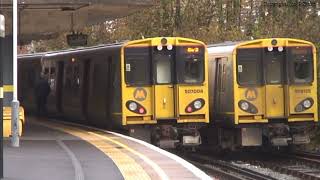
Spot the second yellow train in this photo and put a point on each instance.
(262, 93)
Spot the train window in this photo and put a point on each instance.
(193, 70)
(302, 65)
(72, 81)
(223, 78)
(192, 64)
(46, 71)
(68, 77)
(249, 66)
(219, 77)
(274, 67)
(301, 69)
(163, 68)
(53, 71)
(137, 66)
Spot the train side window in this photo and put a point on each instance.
(249, 66)
(302, 64)
(219, 77)
(67, 76)
(52, 78)
(223, 77)
(53, 71)
(76, 78)
(46, 71)
(222, 74)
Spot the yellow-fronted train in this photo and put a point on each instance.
(156, 89)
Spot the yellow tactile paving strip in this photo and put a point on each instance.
(128, 167)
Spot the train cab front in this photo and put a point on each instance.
(277, 87)
(164, 86)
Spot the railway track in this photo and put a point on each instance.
(224, 169)
(312, 159)
(299, 164)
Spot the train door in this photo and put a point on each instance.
(275, 90)
(220, 80)
(97, 92)
(85, 86)
(163, 65)
(59, 84)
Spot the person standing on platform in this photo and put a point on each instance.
(42, 92)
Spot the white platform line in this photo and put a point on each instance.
(78, 172)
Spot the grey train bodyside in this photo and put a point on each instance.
(85, 84)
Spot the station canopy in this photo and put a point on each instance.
(46, 18)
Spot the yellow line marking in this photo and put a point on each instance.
(8, 88)
(128, 167)
(155, 166)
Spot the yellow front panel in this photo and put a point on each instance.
(164, 101)
(274, 101)
(187, 94)
(278, 100)
(141, 95)
(255, 96)
(300, 93)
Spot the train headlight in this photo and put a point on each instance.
(197, 104)
(133, 106)
(169, 47)
(304, 105)
(307, 103)
(159, 47)
(247, 107)
(244, 106)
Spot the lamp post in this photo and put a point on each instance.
(15, 103)
(2, 35)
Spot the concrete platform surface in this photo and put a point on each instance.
(51, 150)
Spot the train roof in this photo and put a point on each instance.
(222, 48)
(73, 51)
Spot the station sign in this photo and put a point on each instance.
(77, 39)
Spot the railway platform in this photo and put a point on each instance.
(52, 150)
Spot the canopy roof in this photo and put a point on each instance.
(46, 18)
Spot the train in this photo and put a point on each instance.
(154, 89)
(263, 93)
(173, 91)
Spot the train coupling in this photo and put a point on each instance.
(280, 141)
(168, 143)
(191, 140)
(300, 139)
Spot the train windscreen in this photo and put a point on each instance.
(182, 64)
(137, 66)
(164, 64)
(190, 65)
(257, 66)
(274, 66)
(301, 65)
(249, 66)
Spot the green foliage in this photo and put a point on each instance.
(207, 20)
